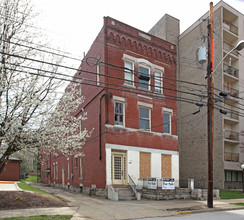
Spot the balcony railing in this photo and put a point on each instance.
(231, 71)
(228, 47)
(233, 157)
(231, 135)
(232, 115)
(232, 92)
(230, 27)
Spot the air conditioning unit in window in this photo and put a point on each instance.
(144, 77)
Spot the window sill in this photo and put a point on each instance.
(139, 88)
(143, 130)
(127, 85)
(168, 134)
(158, 93)
(119, 126)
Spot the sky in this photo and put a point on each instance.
(72, 25)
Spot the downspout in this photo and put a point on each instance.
(104, 94)
(100, 126)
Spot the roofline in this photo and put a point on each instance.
(151, 35)
(206, 15)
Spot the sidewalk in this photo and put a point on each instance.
(9, 186)
(85, 207)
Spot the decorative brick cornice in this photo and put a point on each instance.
(141, 45)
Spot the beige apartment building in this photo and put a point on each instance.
(192, 97)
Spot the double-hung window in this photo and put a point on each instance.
(80, 168)
(119, 114)
(158, 81)
(98, 73)
(144, 77)
(144, 118)
(67, 168)
(76, 162)
(56, 170)
(167, 120)
(129, 76)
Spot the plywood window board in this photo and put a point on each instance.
(166, 166)
(145, 165)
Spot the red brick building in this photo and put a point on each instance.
(129, 85)
(11, 171)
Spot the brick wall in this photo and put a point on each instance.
(11, 171)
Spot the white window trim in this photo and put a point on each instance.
(118, 98)
(149, 107)
(144, 104)
(142, 61)
(68, 171)
(145, 65)
(161, 81)
(170, 112)
(98, 69)
(56, 170)
(167, 110)
(80, 168)
(122, 101)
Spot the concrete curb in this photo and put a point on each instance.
(217, 209)
(16, 184)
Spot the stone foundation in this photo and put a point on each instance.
(84, 190)
(162, 194)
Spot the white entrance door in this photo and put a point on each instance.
(118, 168)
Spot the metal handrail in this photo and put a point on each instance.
(132, 184)
(230, 27)
(232, 135)
(229, 47)
(233, 157)
(231, 71)
(231, 91)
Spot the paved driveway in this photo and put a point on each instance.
(9, 186)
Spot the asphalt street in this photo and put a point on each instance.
(223, 215)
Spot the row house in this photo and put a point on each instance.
(129, 85)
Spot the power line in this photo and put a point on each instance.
(80, 70)
(121, 88)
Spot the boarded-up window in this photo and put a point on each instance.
(145, 165)
(166, 166)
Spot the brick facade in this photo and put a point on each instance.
(116, 43)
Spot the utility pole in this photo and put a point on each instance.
(210, 106)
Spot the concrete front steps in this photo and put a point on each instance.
(124, 192)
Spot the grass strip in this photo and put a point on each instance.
(27, 187)
(240, 204)
(231, 194)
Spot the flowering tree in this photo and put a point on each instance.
(29, 115)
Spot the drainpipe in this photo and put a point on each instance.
(100, 125)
